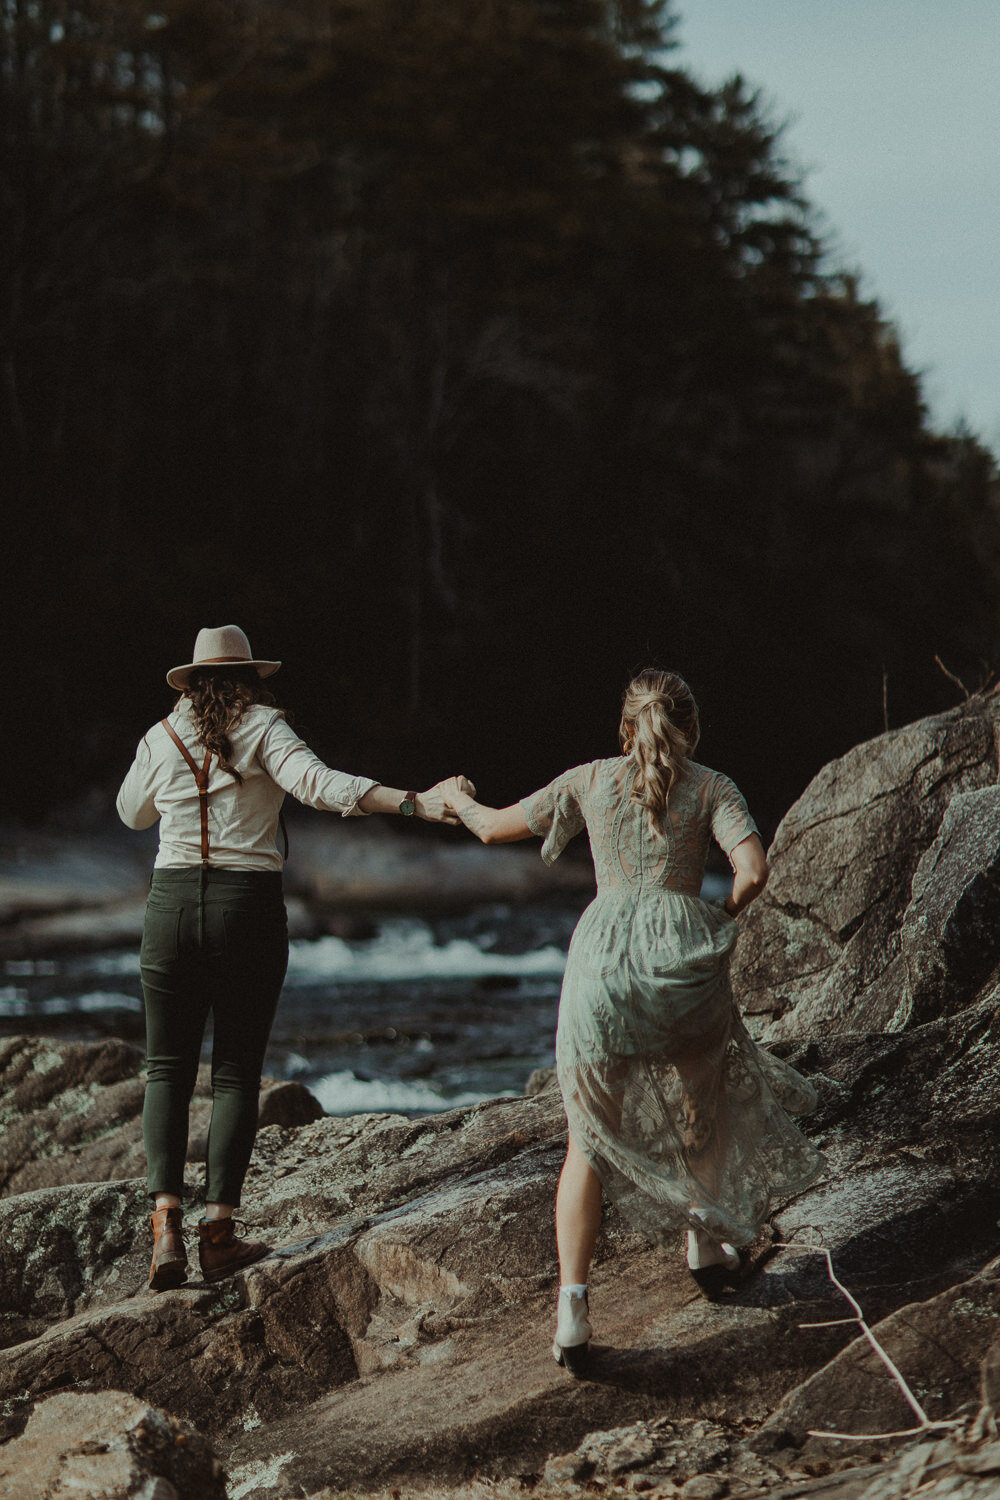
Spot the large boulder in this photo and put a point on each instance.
(950, 937)
(885, 885)
(108, 1446)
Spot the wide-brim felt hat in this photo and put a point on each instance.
(222, 646)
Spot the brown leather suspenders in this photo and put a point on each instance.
(201, 777)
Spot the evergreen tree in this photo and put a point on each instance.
(479, 350)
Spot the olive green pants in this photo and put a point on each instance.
(214, 940)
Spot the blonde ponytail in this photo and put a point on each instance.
(659, 729)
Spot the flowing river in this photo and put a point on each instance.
(413, 1015)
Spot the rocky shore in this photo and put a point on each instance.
(396, 1342)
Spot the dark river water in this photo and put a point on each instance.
(417, 1015)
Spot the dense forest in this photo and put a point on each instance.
(468, 355)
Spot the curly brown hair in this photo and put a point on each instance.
(220, 696)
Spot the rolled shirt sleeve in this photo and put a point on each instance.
(135, 801)
(290, 763)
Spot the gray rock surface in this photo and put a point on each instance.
(401, 1326)
(72, 1112)
(939, 1345)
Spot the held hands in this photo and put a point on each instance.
(434, 805)
(491, 825)
(455, 787)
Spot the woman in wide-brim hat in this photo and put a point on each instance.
(215, 773)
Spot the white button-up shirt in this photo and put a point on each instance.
(242, 820)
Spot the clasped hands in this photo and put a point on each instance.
(434, 805)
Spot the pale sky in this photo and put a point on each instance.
(894, 115)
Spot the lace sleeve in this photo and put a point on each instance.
(731, 820)
(555, 813)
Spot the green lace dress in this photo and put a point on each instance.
(680, 1113)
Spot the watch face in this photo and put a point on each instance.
(406, 807)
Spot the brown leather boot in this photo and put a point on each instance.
(169, 1267)
(221, 1252)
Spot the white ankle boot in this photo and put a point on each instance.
(573, 1332)
(703, 1251)
(712, 1264)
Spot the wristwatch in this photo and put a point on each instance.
(408, 806)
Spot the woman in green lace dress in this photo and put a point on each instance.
(673, 1110)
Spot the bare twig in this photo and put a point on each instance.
(988, 681)
(885, 698)
(878, 1437)
(952, 678)
(926, 1425)
(831, 1323)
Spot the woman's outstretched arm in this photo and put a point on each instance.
(493, 825)
(750, 872)
(431, 805)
